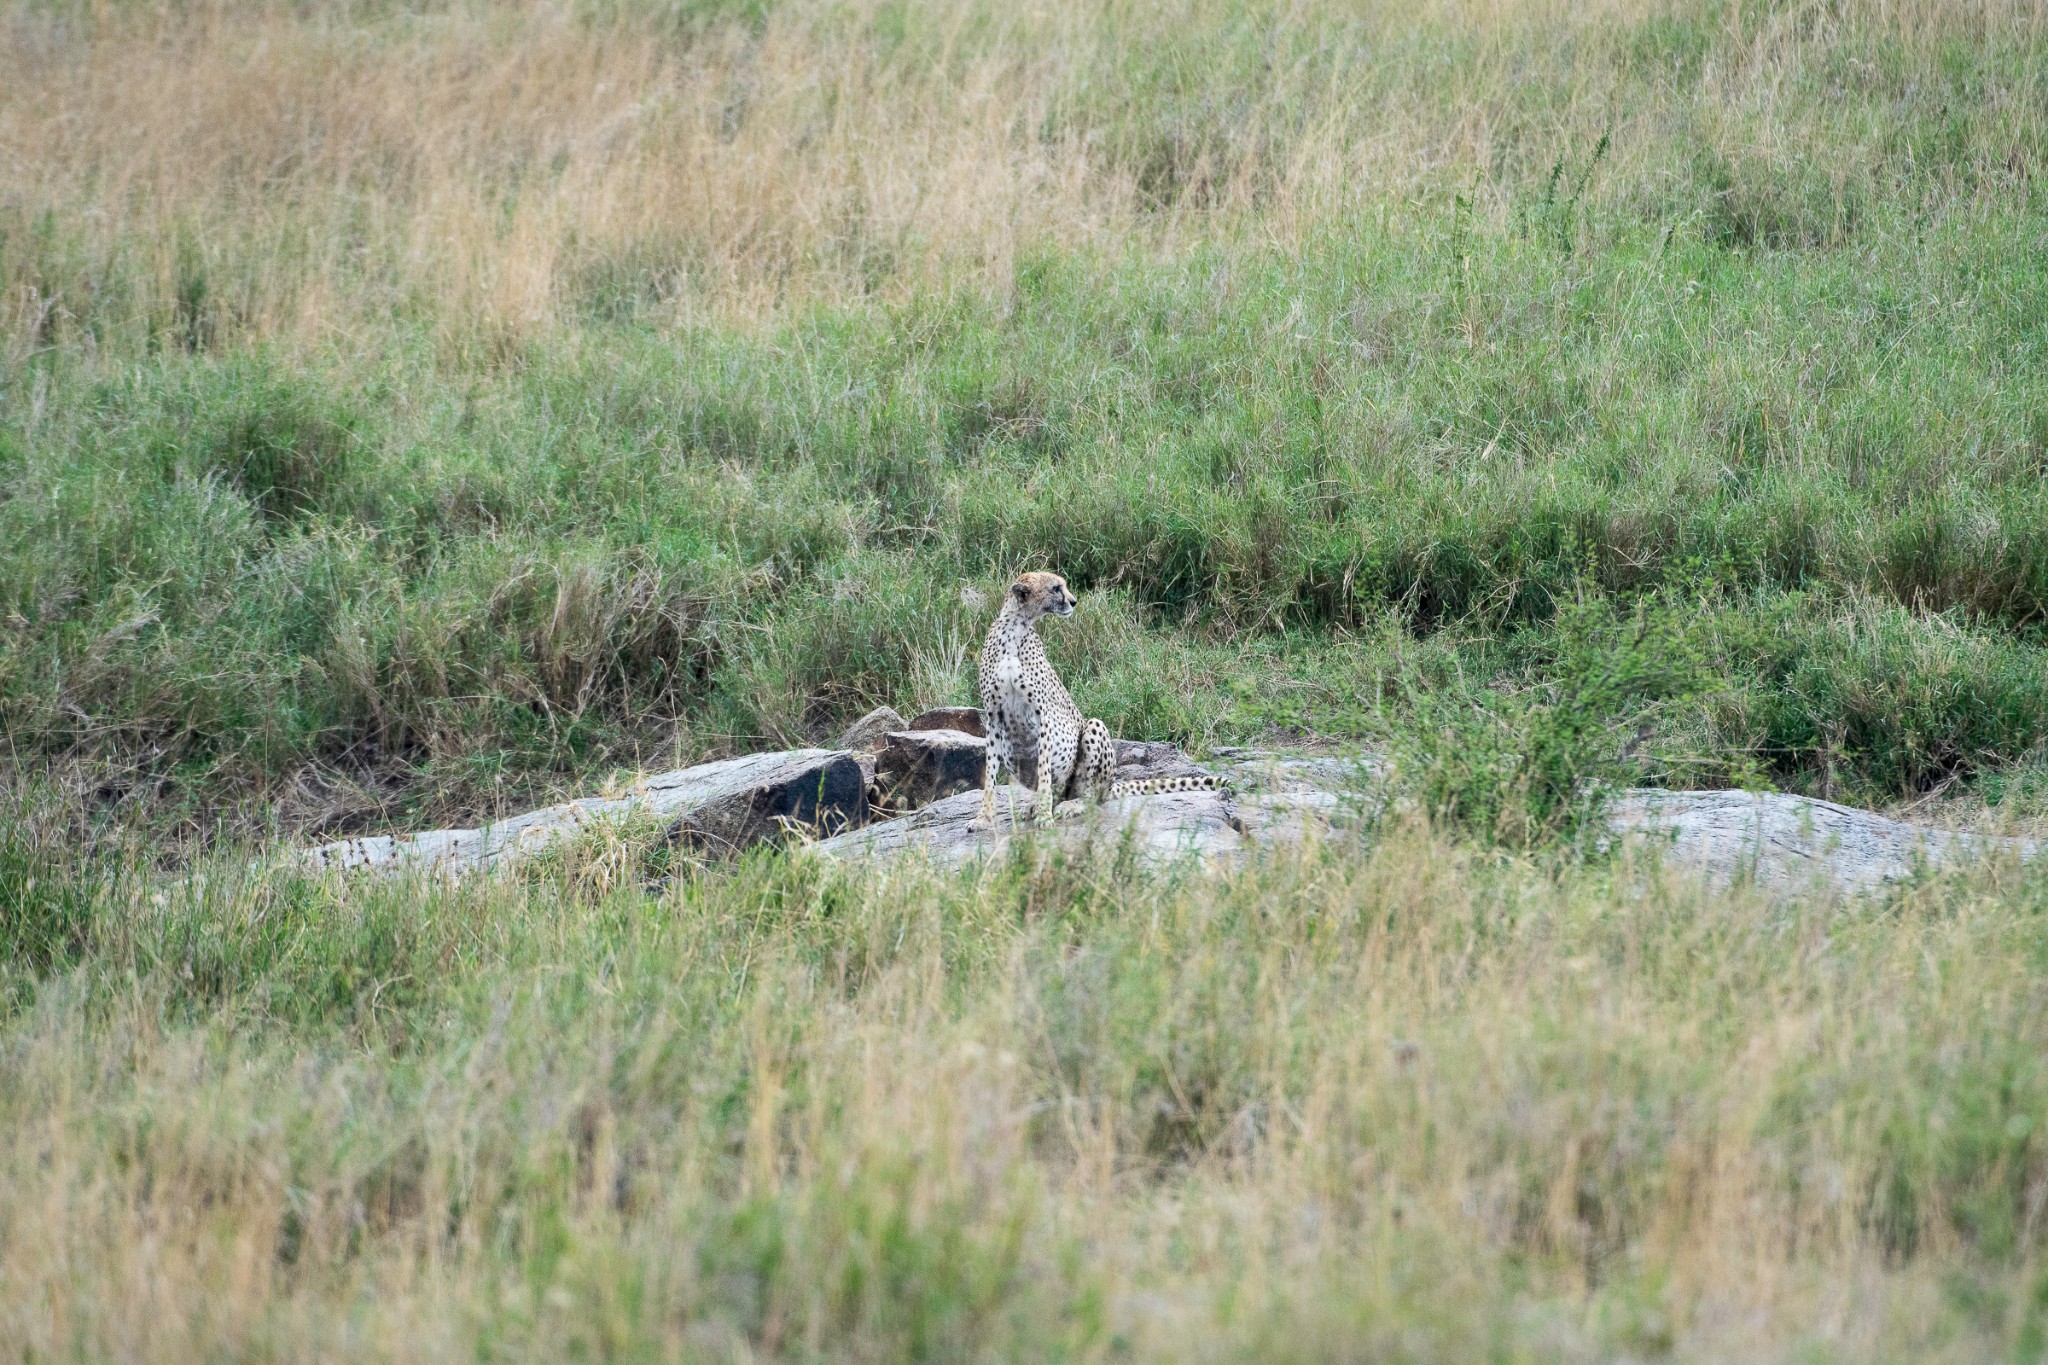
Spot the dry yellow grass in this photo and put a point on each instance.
(258, 170)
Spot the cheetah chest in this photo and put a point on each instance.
(1025, 702)
(1017, 706)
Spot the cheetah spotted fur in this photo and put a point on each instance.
(1034, 729)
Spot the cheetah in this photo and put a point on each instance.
(1034, 729)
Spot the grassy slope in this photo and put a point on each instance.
(408, 411)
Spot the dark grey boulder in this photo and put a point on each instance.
(811, 792)
(918, 767)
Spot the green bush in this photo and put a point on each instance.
(1527, 761)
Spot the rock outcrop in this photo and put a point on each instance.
(1787, 844)
(1137, 760)
(811, 792)
(871, 731)
(1270, 801)
(1154, 830)
(1784, 844)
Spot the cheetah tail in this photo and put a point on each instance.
(1152, 786)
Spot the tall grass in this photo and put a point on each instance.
(409, 410)
(1414, 1104)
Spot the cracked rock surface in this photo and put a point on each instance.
(918, 767)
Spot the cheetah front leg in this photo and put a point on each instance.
(1048, 795)
(1056, 755)
(998, 761)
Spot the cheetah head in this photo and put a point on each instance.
(1041, 594)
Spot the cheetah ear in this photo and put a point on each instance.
(1021, 590)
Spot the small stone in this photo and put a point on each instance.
(1785, 844)
(965, 719)
(918, 767)
(871, 731)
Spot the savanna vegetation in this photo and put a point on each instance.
(410, 412)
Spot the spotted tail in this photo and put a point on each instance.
(1152, 786)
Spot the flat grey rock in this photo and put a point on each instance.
(1156, 829)
(1287, 817)
(1205, 826)
(1263, 770)
(725, 805)
(1779, 842)
(1138, 760)
(1789, 843)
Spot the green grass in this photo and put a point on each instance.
(223, 570)
(1774, 367)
